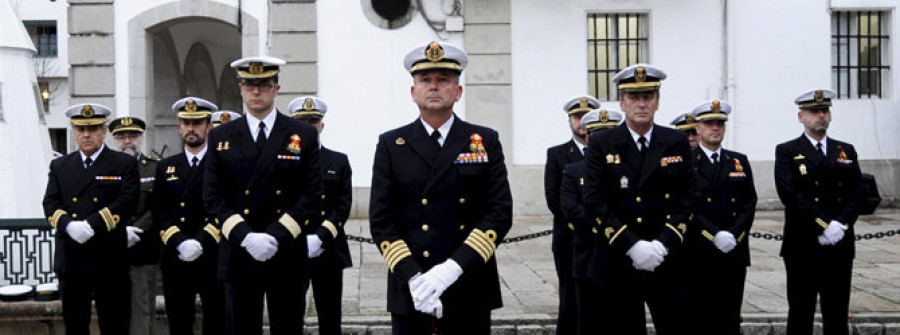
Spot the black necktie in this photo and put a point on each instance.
(715, 158)
(194, 162)
(87, 162)
(642, 144)
(819, 148)
(261, 136)
(436, 135)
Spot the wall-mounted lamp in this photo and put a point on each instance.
(45, 93)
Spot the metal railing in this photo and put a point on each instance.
(26, 252)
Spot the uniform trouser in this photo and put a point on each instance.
(111, 291)
(825, 277)
(284, 296)
(143, 299)
(621, 305)
(566, 322)
(327, 276)
(715, 294)
(181, 289)
(468, 321)
(587, 306)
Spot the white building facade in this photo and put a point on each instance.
(527, 58)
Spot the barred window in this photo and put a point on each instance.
(859, 53)
(43, 35)
(615, 41)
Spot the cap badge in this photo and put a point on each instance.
(820, 96)
(604, 116)
(583, 104)
(190, 105)
(294, 146)
(640, 74)
(256, 68)
(127, 121)
(716, 106)
(87, 111)
(688, 118)
(308, 104)
(434, 52)
(225, 118)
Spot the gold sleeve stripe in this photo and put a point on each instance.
(167, 234)
(230, 222)
(54, 219)
(331, 228)
(288, 222)
(613, 239)
(676, 231)
(482, 242)
(707, 235)
(213, 231)
(394, 252)
(822, 223)
(111, 220)
(741, 238)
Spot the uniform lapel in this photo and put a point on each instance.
(273, 145)
(574, 154)
(455, 143)
(91, 173)
(627, 150)
(654, 153)
(421, 143)
(721, 171)
(831, 153)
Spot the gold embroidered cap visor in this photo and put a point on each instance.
(436, 56)
(639, 78)
(816, 99)
(88, 114)
(127, 123)
(257, 67)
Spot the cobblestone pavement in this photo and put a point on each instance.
(529, 284)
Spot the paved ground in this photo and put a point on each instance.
(530, 287)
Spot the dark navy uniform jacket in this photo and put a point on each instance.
(337, 198)
(583, 234)
(146, 251)
(276, 191)
(727, 202)
(179, 213)
(102, 195)
(628, 201)
(429, 204)
(557, 159)
(814, 193)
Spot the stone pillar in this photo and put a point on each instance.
(488, 83)
(92, 52)
(293, 27)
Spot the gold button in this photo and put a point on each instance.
(667, 196)
(305, 223)
(708, 199)
(74, 199)
(205, 219)
(323, 197)
(426, 254)
(277, 192)
(571, 226)
(182, 204)
(246, 211)
(816, 199)
(668, 217)
(462, 227)
(95, 199)
(594, 230)
(277, 211)
(323, 213)
(424, 202)
(246, 192)
(733, 200)
(424, 227)
(816, 183)
(182, 219)
(462, 200)
(74, 216)
(638, 199)
(639, 220)
(733, 213)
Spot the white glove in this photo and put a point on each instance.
(429, 287)
(660, 248)
(824, 240)
(132, 233)
(835, 231)
(645, 256)
(261, 246)
(189, 250)
(435, 308)
(313, 246)
(80, 231)
(724, 240)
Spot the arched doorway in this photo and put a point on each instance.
(181, 50)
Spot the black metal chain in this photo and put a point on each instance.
(765, 236)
